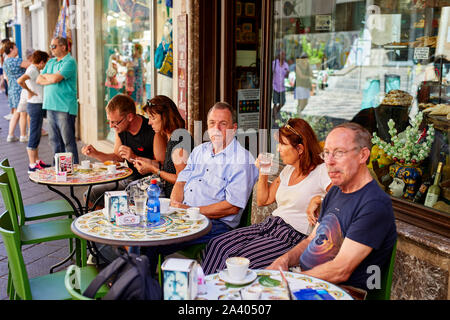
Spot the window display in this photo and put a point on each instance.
(384, 64)
(127, 45)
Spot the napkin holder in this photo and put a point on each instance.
(64, 162)
(116, 205)
(180, 279)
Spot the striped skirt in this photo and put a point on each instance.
(261, 243)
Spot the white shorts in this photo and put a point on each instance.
(23, 103)
(22, 106)
(301, 93)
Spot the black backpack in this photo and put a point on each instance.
(130, 277)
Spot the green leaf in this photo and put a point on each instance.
(267, 281)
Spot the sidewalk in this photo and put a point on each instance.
(39, 257)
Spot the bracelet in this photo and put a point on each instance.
(158, 172)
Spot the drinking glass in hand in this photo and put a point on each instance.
(265, 162)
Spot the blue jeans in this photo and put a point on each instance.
(36, 118)
(62, 133)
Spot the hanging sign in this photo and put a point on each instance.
(182, 65)
(422, 53)
(248, 109)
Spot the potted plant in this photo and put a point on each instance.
(407, 149)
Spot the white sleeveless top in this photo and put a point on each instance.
(293, 200)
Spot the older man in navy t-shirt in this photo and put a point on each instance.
(356, 228)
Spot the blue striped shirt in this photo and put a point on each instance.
(211, 178)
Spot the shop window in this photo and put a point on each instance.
(369, 62)
(247, 59)
(126, 52)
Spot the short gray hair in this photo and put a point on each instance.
(362, 137)
(224, 106)
(63, 42)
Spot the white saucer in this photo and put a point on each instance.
(180, 210)
(189, 218)
(251, 275)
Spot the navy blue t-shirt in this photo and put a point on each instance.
(364, 216)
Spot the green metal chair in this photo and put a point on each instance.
(41, 231)
(386, 281)
(38, 211)
(36, 232)
(72, 280)
(47, 287)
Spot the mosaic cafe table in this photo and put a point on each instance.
(171, 229)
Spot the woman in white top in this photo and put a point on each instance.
(297, 190)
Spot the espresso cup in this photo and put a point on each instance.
(193, 212)
(111, 169)
(237, 267)
(61, 176)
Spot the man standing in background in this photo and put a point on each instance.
(59, 79)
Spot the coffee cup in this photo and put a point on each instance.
(61, 176)
(85, 164)
(193, 212)
(251, 293)
(237, 267)
(164, 205)
(111, 169)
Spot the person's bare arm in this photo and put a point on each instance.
(219, 210)
(177, 196)
(265, 191)
(339, 269)
(159, 147)
(312, 212)
(46, 79)
(179, 159)
(22, 82)
(90, 151)
(25, 64)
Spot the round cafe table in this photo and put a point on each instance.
(79, 177)
(270, 282)
(171, 229)
(95, 175)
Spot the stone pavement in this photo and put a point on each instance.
(38, 257)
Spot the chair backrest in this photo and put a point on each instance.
(246, 218)
(11, 240)
(386, 280)
(8, 200)
(15, 189)
(71, 279)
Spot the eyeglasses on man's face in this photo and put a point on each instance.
(116, 123)
(53, 46)
(337, 154)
